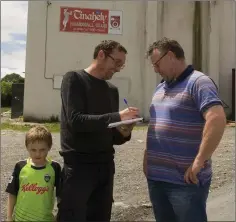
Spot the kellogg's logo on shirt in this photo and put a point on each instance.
(34, 188)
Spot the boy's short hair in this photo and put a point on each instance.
(38, 134)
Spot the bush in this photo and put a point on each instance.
(6, 93)
(6, 88)
(13, 78)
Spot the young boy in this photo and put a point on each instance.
(31, 186)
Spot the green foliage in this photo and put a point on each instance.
(6, 88)
(5, 109)
(13, 78)
(6, 93)
(52, 127)
(51, 119)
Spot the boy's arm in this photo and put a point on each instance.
(11, 202)
(12, 190)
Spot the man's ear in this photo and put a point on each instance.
(171, 55)
(101, 54)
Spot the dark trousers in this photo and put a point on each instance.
(86, 192)
(178, 203)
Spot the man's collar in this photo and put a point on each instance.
(181, 77)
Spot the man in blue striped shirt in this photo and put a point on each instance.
(187, 121)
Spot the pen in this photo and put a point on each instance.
(126, 103)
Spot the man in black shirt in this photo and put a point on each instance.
(89, 105)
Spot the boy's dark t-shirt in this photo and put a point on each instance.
(89, 105)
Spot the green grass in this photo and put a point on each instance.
(5, 109)
(53, 127)
(141, 127)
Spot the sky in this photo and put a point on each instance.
(13, 36)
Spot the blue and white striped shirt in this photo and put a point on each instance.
(176, 126)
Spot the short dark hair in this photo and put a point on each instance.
(165, 45)
(108, 46)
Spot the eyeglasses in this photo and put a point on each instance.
(158, 61)
(118, 64)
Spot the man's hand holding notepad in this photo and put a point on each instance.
(128, 116)
(125, 122)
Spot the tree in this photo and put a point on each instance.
(6, 93)
(13, 78)
(6, 88)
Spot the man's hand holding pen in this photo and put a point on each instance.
(127, 114)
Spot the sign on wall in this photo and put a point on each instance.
(89, 20)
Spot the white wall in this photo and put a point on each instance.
(68, 51)
(144, 23)
(39, 99)
(227, 54)
(173, 20)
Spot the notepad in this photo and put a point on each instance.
(125, 122)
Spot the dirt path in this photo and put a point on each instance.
(130, 190)
(221, 204)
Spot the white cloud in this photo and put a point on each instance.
(14, 62)
(13, 21)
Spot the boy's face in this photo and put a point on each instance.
(38, 152)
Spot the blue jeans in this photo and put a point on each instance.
(178, 203)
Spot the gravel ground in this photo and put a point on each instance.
(130, 189)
